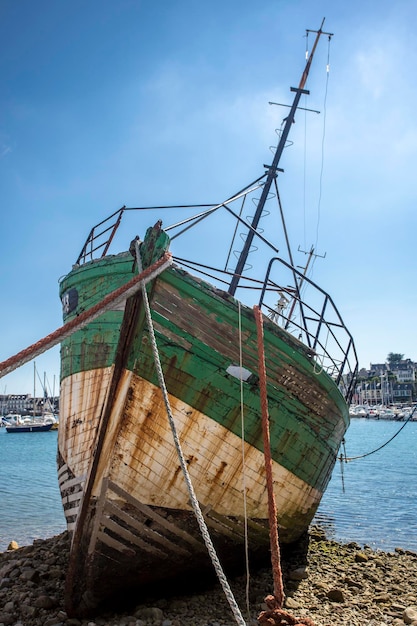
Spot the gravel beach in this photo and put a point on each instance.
(325, 581)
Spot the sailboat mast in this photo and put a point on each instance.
(272, 170)
(44, 394)
(34, 387)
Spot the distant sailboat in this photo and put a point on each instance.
(30, 426)
(30, 423)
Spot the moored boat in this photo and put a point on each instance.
(10, 419)
(160, 434)
(26, 424)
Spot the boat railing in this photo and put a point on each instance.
(315, 322)
(100, 237)
(102, 234)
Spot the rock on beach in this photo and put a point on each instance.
(330, 583)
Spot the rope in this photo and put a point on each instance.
(272, 509)
(245, 509)
(275, 615)
(194, 502)
(114, 298)
(346, 459)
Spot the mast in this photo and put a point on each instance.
(34, 388)
(44, 395)
(272, 170)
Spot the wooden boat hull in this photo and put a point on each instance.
(125, 499)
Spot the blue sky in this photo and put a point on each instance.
(107, 103)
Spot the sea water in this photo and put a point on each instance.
(30, 503)
(371, 500)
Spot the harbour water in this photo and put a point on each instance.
(30, 504)
(370, 500)
(373, 499)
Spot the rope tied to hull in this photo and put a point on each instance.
(112, 299)
(244, 476)
(272, 509)
(193, 498)
(275, 615)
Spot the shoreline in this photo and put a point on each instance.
(328, 582)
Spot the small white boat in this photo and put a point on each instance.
(387, 414)
(358, 411)
(10, 419)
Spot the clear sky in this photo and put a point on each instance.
(107, 103)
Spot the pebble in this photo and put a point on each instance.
(332, 584)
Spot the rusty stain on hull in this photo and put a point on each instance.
(138, 475)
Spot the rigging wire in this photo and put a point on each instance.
(226, 265)
(305, 160)
(322, 151)
(323, 139)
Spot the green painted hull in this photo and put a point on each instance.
(308, 415)
(120, 478)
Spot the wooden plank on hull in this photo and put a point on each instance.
(72, 497)
(78, 480)
(106, 436)
(123, 533)
(73, 512)
(208, 329)
(98, 516)
(62, 469)
(116, 545)
(262, 531)
(232, 531)
(149, 512)
(152, 534)
(233, 524)
(63, 478)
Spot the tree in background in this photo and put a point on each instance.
(394, 357)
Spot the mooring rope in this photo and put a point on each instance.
(275, 615)
(245, 501)
(348, 459)
(112, 299)
(194, 502)
(272, 508)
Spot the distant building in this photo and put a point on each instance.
(376, 369)
(404, 371)
(15, 403)
(402, 393)
(25, 404)
(387, 383)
